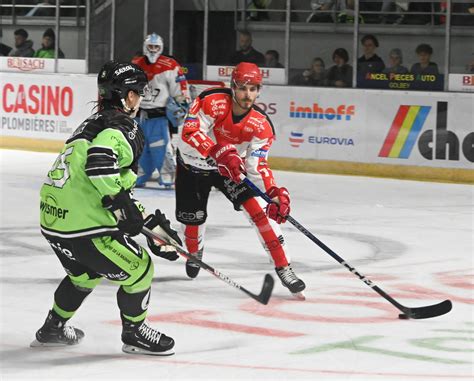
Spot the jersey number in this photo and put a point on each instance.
(59, 173)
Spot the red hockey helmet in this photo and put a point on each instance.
(246, 73)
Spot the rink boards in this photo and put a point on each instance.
(417, 135)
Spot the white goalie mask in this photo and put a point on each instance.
(153, 47)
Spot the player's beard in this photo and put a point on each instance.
(245, 103)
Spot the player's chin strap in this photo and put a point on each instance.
(130, 110)
(408, 312)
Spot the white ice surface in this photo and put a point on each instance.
(413, 239)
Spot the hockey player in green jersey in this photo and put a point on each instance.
(88, 216)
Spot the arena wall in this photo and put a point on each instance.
(399, 134)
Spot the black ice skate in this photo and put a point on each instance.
(141, 339)
(192, 269)
(55, 333)
(291, 281)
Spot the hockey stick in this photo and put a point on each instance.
(408, 312)
(268, 281)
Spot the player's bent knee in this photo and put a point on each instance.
(143, 282)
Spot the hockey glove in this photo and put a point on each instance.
(126, 210)
(279, 209)
(229, 163)
(160, 225)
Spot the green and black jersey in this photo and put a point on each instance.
(99, 159)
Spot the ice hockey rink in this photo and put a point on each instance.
(413, 239)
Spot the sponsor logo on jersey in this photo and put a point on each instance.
(51, 211)
(258, 123)
(227, 133)
(132, 134)
(316, 111)
(298, 138)
(260, 153)
(438, 144)
(218, 107)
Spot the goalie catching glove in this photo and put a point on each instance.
(279, 209)
(159, 224)
(127, 212)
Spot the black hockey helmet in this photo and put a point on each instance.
(116, 79)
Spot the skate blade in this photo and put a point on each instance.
(140, 351)
(39, 344)
(299, 295)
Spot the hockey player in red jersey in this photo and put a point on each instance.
(167, 84)
(225, 135)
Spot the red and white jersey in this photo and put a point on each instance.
(210, 121)
(165, 79)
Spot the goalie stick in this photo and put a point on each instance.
(268, 281)
(408, 312)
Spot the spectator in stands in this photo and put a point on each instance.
(314, 76)
(23, 46)
(395, 59)
(340, 75)
(272, 59)
(369, 62)
(247, 53)
(424, 66)
(48, 46)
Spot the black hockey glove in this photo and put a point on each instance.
(126, 211)
(161, 226)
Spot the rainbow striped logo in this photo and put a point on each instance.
(296, 138)
(406, 127)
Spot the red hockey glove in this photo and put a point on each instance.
(229, 163)
(280, 208)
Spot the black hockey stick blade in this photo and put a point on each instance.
(428, 311)
(268, 281)
(267, 289)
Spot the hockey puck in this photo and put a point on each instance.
(403, 316)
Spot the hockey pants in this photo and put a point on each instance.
(88, 260)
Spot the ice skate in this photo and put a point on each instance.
(291, 281)
(192, 269)
(55, 333)
(141, 339)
